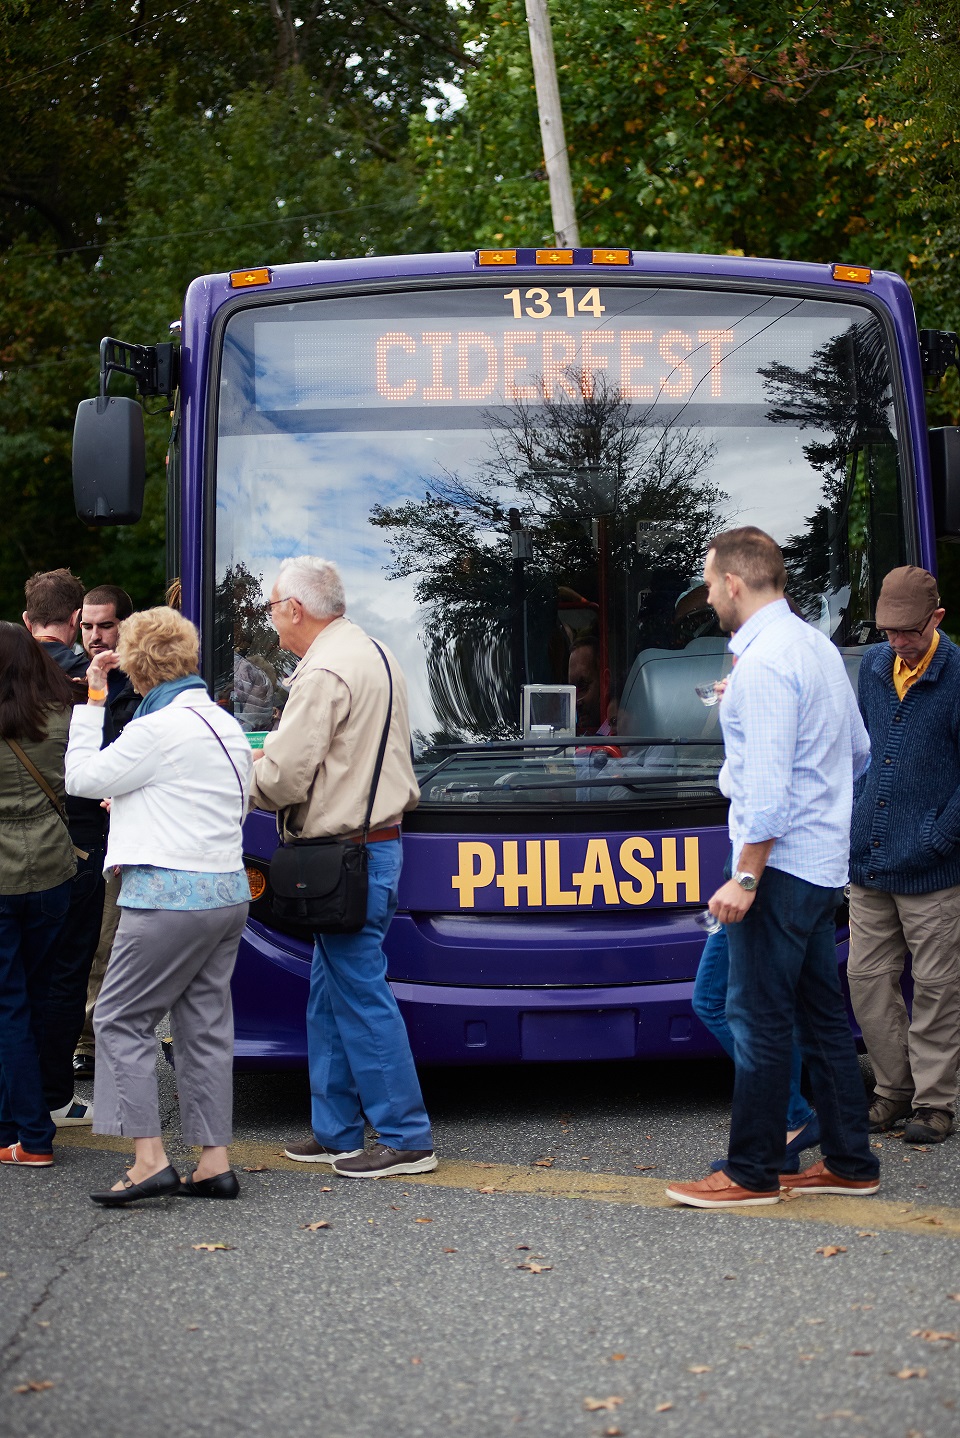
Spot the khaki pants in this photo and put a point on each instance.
(919, 1060)
(108, 932)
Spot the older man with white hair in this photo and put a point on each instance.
(318, 769)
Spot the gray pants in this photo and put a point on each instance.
(918, 1060)
(177, 961)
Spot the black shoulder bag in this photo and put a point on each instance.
(320, 885)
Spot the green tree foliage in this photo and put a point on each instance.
(145, 144)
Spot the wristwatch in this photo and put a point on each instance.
(747, 882)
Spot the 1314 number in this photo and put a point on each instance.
(541, 306)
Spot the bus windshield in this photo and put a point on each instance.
(518, 486)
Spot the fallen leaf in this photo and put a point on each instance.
(449, 1250)
(806, 1357)
(699, 1368)
(816, 1320)
(911, 1373)
(416, 1360)
(257, 1168)
(330, 1190)
(613, 1433)
(926, 1218)
(43, 1323)
(861, 1352)
(594, 1405)
(584, 1158)
(954, 1297)
(532, 1267)
(486, 1165)
(312, 1227)
(867, 1233)
(617, 1357)
(920, 1148)
(4, 1275)
(663, 1408)
(830, 1250)
(193, 1328)
(931, 1335)
(543, 1163)
(729, 1277)
(744, 1345)
(212, 1247)
(395, 1207)
(486, 1190)
(523, 1248)
(33, 1385)
(423, 1220)
(644, 1167)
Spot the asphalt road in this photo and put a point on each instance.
(410, 1314)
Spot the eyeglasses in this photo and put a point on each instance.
(272, 602)
(910, 633)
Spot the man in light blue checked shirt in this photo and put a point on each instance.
(794, 743)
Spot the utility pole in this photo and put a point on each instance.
(551, 124)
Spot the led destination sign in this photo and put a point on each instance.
(536, 347)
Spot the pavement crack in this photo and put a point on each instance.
(11, 1351)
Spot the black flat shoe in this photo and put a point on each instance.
(84, 1066)
(161, 1185)
(221, 1185)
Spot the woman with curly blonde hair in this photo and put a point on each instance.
(177, 781)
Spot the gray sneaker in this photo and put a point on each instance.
(381, 1161)
(888, 1113)
(312, 1152)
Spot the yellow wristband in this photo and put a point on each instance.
(96, 694)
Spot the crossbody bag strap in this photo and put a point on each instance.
(381, 751)
(38, 778)
(383, 742)
(225, 750)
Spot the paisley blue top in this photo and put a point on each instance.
(144, 886)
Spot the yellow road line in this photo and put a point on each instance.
(869, 1214)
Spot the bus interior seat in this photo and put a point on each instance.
(660, 700)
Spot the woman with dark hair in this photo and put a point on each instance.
(37, 863)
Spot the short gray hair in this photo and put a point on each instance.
(315, 582)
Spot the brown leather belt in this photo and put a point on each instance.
(375, 836)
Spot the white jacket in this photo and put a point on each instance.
(176, 802)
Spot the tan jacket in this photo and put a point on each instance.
(36, 852)
(318, 766)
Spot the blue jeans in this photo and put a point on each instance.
(783, 979)
(64, 1008)
(29, 926)
(710, 1007)
(359, 1053)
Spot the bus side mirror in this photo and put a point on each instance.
(109, 461)
(945, 476)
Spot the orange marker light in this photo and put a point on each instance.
(257, 882)
(554, 257)
(854, 274)
(496, 257)
(241, 279)
(611, 257)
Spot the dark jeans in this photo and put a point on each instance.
(710, 1006)
(64, 1008)
(29, 925)
(784, 981)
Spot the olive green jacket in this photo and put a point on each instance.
(35, 848)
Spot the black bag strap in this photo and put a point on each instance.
(225, 750)
(383, 743)
(381, 751)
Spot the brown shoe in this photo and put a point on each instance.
(312, 1152)
(818, 1179)
(888, 1112)
(929, 1125)
(719, 1191)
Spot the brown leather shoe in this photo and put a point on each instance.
(928, 1125)
(719, 1191)
(818, 1179)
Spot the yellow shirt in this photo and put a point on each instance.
(904, 677)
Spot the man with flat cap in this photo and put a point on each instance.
(905, 862)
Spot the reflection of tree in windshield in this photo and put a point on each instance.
(853, 537)
(247, 663)
(582, 527)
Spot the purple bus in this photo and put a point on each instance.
(516, 458)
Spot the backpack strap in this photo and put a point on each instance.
(38, 778)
